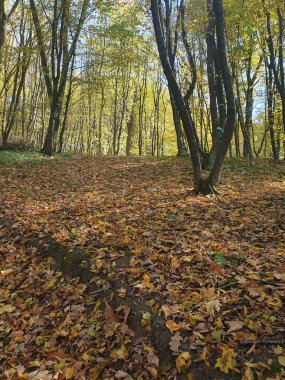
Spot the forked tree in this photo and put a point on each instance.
(201, 184)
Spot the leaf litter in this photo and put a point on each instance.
(112, 269)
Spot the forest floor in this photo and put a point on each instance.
(111, 268)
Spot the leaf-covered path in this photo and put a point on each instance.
(112, 269)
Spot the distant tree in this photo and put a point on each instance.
(64, 34)
(4, 18)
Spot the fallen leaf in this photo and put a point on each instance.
(248, 375)
(110, 315)
(278, 350)
(183, 362)
(172, 326)
(6, 308)
(281, 360)
(227, 360)
(175, 342)
(69, 373)
(120, 353)
(233, 326)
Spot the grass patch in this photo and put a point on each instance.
(8, 157)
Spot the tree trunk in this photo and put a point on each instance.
(180, 103)
(182, 151)
(215, 173)
(3, 21)
(131, 125)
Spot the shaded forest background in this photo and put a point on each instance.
(87, 77)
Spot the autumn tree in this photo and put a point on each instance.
(200, 184)
(64, 34)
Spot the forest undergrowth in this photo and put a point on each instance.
(111, 268)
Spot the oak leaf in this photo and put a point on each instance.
(175, 342)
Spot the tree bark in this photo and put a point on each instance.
(180, 103)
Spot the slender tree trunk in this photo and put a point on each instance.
(182, 151)
(3, 22)
(131, 125)
(270, 96)
(215, 173)
(180, 103)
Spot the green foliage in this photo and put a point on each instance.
(14, 157)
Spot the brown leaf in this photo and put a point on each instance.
(175, 342)
(233, 326)
(110, 315)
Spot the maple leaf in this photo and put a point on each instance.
(175, 342)
(227, 360)
(183, 362)
(6, 308)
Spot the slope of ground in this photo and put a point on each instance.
(112, 269)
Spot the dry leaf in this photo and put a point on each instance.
(233, 326)
(278, 350)
(175, 342)
(172, 326)
(110, 315)
(69, 373)
(248, 375)
(183, 362)
(281, 360)
(6, 308)
(120, 353)
(227, 360)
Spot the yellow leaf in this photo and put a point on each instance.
(152, 371)
(248, 375)
(227, 360)
(6, 308)
(69, 373)
(183, 362)
(24, 376)
(278, 350)
(120, 353)
(125, 240)
(175, 263)
(51, 283)
(95, 373)
(219, 323)
(281, 360)
(86, 357)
